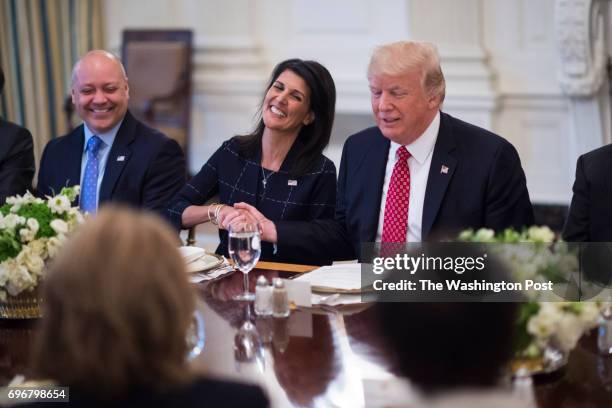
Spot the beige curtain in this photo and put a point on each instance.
(40, 40)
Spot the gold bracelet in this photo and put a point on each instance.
(210, 206)
(217, 211)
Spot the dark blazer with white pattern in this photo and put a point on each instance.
(236, 178)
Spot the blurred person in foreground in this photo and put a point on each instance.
(117, 309)
(112, 155)
(456, 353)
(279, 168)
(16, 157)
(418, 175)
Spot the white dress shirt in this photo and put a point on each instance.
(107, 142)
(421, 152)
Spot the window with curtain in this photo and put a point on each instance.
(40, 40)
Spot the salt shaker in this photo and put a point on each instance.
(263, 297)
(280, 299)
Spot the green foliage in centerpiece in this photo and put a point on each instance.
(31, 231)
(544, 319)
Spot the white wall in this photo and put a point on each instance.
(499, 57)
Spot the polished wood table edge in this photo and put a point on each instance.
(285, 267)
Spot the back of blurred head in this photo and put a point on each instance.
(117, 307)
(445, 346)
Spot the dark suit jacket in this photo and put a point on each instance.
(483, 187)
(237, 178)
(590, 214)
(16, 160)
(151, 172)
(201, 393)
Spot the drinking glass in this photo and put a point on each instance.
(245, 249)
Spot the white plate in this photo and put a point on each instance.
(204, 263)
(191, 253)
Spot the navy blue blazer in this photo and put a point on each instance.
(236, 178)
(144, 168)
(590, 217)
(484, 186)
(16, 160)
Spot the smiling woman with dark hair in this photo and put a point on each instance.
(16, 156)
(279, 168)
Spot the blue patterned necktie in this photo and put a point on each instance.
(89, 187)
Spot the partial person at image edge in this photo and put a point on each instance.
(16, 157)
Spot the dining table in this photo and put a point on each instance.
(320, 356)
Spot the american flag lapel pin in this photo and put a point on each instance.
(120, 158)
(292, 183)
(444, 169)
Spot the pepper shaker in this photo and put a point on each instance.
(280, 299)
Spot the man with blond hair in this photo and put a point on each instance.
(112, 155)
(418, 175)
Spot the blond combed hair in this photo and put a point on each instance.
(398, 58)
(117, 306)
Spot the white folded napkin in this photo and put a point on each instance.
(191, 253)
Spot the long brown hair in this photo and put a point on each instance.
(117, 305)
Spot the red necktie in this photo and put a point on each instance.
(395, 223)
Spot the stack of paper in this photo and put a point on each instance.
(342, 278)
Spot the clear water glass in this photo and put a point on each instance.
(245, 249)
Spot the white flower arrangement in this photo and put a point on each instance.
(32, 230)
(545, 319)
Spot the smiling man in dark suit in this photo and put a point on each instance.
(16, 157)
(113, 156)
(419, 175)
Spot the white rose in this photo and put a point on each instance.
(29, 198)
(540, 234)
(53, 246)
(12, 220)
(484, 235)
(570, 329)
(26, 234)
(32, 224)
(30, 260)
(466, 235)
(3, 274)
(19, 278)
(59, 204)
(75, 218)
(59, 226)
(39, 247)
(589, 315)
(16, 202)
(544, 323)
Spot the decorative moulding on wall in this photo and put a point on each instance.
(579, 26)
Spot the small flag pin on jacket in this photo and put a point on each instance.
(121, 158)
(444, 170)
(292, 183)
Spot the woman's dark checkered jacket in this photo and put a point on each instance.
(236, 178)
